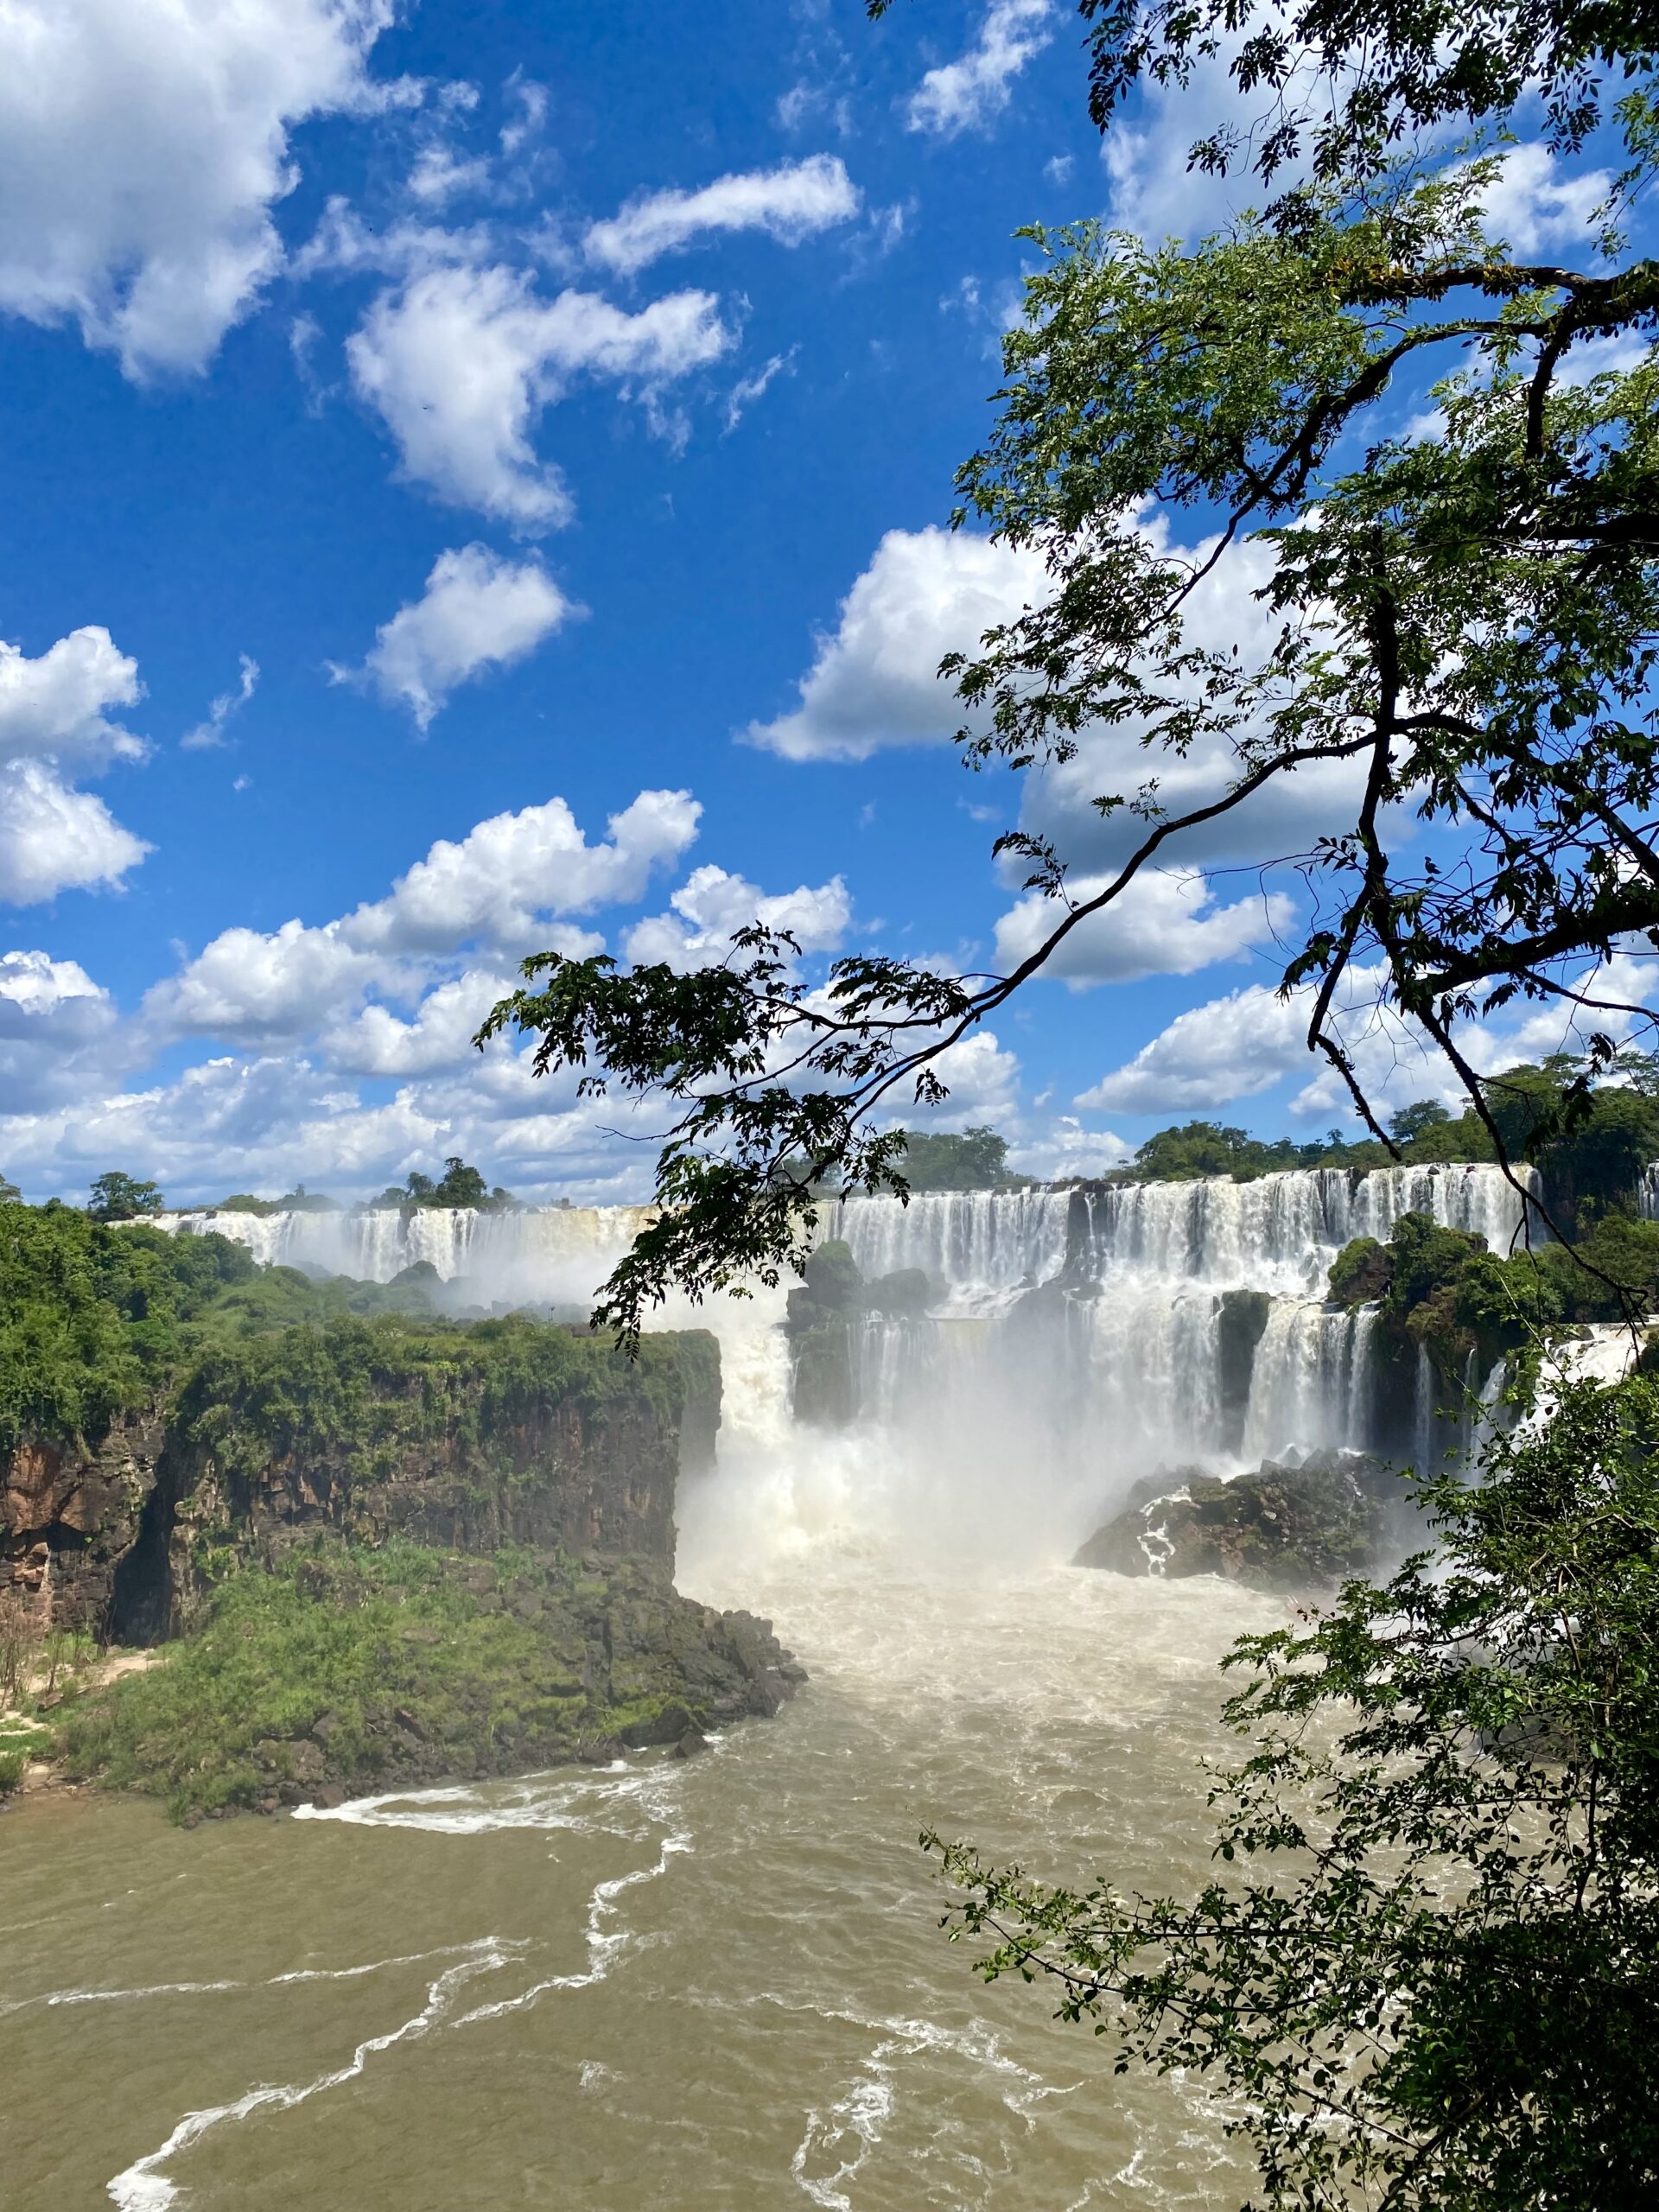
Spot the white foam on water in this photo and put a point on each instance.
(857, 2120)
(53, 1997)
(144, 2186)
(563, 1798)
(605, 1944)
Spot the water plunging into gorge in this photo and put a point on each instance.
(718, 1985)
(1071, 1340)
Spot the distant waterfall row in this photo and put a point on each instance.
(556, 1254)
(1141, 1323)
(1070, 1339)
(1278, 1233)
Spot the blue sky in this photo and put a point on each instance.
(429, 429)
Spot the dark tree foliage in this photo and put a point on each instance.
(1413, 1122)
(116, 1196)
(92, 1318)
(977, 1159)
(1427, 1971)
(1462, 612)
(459, 1186)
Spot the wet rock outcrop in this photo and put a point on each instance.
(1282, 1527)
(823, 1321)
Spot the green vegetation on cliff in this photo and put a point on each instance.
(342, 1669)
(1441, 1289)
(95, 1320)
(360, 1390)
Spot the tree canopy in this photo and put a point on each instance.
(459, 1186)
(972, 1159)
(117, 1197)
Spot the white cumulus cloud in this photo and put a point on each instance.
(1231, 1047)
(57, 1031)
(478, 612)
(59, 704)
(498, 881)
(711, 904)
(55, 726)
(144, 144)
(970, 91)
(1161, 925)
(1536, 202)
(461, 361)
(501, 885)
(54, 838)
(791, 203)
(874, 680)
(378, 1042)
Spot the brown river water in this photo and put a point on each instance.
(716, 1983)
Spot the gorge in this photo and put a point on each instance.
(717, 1981)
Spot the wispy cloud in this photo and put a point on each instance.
(222, 711)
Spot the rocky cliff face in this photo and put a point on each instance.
(70, 1513)
(449, 1440)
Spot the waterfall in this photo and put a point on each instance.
(1270, 1233)
(556, 1254)
(978, 1245)
(1073, 1340)
(1310, 1386)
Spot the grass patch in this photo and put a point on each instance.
(349, 1667)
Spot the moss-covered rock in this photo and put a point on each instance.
(832, 1276)
(342, 1670)
(1361, 1273)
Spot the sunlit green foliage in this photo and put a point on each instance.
(1199, 1148)
(358, 1393)
(482, 1661)
(93, 1319)
(458, 1186)
(116, 1196)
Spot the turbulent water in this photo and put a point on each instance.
(719, 1983)
(713, 1983)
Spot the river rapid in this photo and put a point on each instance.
(714, 1983)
